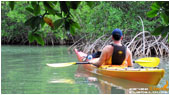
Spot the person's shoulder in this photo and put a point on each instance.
(107, 48)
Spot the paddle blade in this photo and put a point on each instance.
(148, 61)
(61, 64)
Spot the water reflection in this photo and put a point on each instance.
(68, 81)
(109, 85)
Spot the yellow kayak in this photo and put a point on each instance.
(147, 75)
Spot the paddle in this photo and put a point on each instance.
(148, 61)
(145, 62)
(66, 64)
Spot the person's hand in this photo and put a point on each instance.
(90, 61)
(94, 62)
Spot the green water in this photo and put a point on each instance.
(24, 71)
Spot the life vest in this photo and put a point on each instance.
(119, 54)
(118, 57)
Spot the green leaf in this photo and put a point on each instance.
(59, 14)
(90, 3)
(34, 21)
(35, 37)
(165, 18)
(73, 25)
(165, 31)
(51, 4)
(73, 4)
(58, 23)
(159, 3)
(72, 30)
(30, 10)
(37, 21)
(158, 31)
(76, 25)
(29, 21)
(64, 7)
(42, 23)
(67, 25)
(39, 39)
(155, 6)
(49, 8)
(11, 4)
(54, 2)
(30, 37)
(152, 13)
(36, 7)
(34, 4)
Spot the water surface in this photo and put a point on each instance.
(24, 71)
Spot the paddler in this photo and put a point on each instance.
(115, 54)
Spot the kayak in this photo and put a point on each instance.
(144, 75)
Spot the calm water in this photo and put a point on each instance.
(24, 71)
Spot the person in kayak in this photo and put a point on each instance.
(115, 53)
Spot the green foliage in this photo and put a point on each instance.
(35, 37)
(34, 21)
(18, 14)
(12, 22)
(73, 4)
(58, 23)
(106, 16)
(160, 9)
(161, 30)
(31, 10)
(49, 7)
(90, 3)
(152, 13)
(11, 4)
(39, 9)
(80, 18)
(36, 7)
(65, 21)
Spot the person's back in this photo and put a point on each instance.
(116, 53)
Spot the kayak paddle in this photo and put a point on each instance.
(145, 62)
(66, 64)
(148, 61)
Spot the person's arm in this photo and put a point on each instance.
(129, 59)
(102, 58)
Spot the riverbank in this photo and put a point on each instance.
(140, 46)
